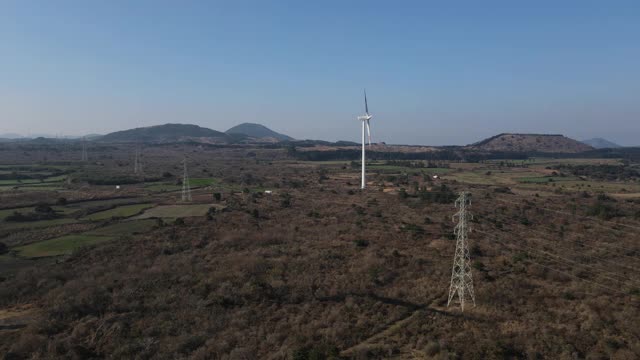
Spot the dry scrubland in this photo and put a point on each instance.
(317, 269)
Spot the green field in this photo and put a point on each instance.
(397, 168)
(124, 228)
(59, 209)
(200, 182)
(40, 187)
(49, 180)
(59, 246)
(118, 212)
(175, 211)
(162, 187)
(7, 212)
(172, 186)
(545, 179)
(96, 203)
(36, 224)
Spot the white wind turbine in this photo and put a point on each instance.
(365, 123)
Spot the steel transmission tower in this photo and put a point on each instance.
(85, 157)
(186, 190)
(137, 165)
(461, 280)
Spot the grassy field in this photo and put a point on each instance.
(160, 187)
(95, 203)
(59, 246)
(200, 182)
(171, 186)
(48, 180)
(545, 179)
(118, 212)
(35, 224)
(124, 228)
(175, 211)
(60, 209)
(397, 168)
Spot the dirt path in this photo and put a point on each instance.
(17, 317)
(389, 330)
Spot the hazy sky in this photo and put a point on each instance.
(435, 73)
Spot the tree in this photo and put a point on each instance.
(3, 248)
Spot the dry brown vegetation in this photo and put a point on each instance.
(321, 270)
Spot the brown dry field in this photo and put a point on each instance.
(319, 269)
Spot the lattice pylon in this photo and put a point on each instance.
(85, 156)
(461, 279)
(186, 189)
(137, 164)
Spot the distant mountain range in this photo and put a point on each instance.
(257, 131)
(14, 136)
(531, 143)
(243, 133)
(600, 143)
(248, 133)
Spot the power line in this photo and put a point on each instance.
(603, 226)
(601, 258)
(579, 264)
(560, 271)
(635, 228)
(613, 246)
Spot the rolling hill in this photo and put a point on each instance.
(258, 131)
(600, 143)
(531, 143)
(168, 133)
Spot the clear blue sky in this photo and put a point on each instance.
(436, 72)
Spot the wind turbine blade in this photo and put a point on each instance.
(369, 131)
(366, 106)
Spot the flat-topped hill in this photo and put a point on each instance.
(549, 143)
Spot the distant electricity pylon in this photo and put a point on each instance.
(186, 190)
(85, 157)
(137, 164)
(461, 280)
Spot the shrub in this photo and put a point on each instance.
(432, 348)
(3, 248)
(525, 221)
(43, 209)
(603, 210)
(361, 243)
(285, 201)
(403, 193)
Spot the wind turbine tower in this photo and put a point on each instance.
(186, 190)
(365, 123)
